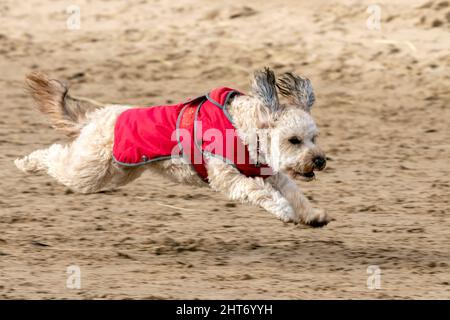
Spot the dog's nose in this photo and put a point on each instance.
(319, 162)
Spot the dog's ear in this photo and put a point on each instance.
(264, 88)
(297, 89)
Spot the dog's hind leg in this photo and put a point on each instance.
(86, 164)
(78, 167)
(80, 171)
(33, 163)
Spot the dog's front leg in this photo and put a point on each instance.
(303, 209)
(227, 179)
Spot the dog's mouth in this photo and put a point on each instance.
(305, 176)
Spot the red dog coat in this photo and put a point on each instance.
(193, 129)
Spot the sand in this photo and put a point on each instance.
(382, 107)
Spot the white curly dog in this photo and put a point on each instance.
(284, 123)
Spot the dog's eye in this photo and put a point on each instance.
(295, 140)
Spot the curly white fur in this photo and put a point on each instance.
(86, 165)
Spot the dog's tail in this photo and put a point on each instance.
(51, 96)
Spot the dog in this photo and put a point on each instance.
(273, 123)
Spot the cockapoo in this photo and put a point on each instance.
(245, 146)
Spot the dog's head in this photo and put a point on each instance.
(292, 130)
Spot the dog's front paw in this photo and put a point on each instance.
(282, 210)
(317, 218)
(287, 214)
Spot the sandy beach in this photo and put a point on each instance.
(383, 108)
